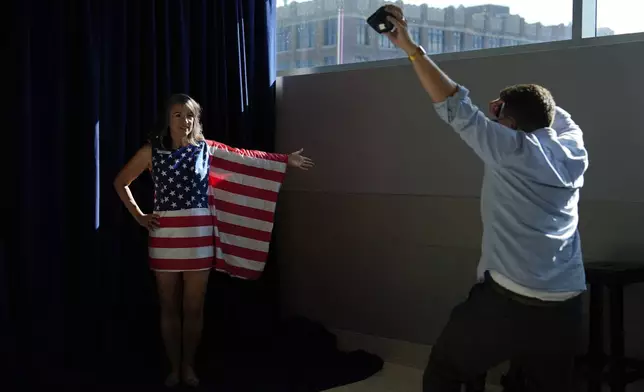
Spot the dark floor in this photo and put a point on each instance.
(299, 356)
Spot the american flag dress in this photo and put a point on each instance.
(217, 207)
(185, 239)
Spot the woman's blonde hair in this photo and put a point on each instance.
(161, 138)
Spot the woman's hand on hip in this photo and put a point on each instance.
(149, 221)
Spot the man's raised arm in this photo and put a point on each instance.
(491, 141)
(437, 84)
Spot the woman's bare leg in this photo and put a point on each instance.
(169, 285)
(195, 284)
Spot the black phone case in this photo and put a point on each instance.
(378, 21)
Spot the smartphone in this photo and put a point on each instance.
(378, 21)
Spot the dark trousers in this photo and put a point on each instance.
(495, 325)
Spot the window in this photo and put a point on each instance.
(385, 43)
(509, 42)
(283, 39)
(363, 37)
(434, 40)
(307, 63)
(415, 33)
(619, 17)
(361, 59)
(283, 65)
(493, 42)
(439, 25)
(305, 35)
(477, 42)
(330, 32)
(457, 41)
(604, 31)
(330, 60)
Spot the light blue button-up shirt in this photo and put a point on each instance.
(529, 197)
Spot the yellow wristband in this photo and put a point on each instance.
(420, 51)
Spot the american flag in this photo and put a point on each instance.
(184, 241)
(242, 195)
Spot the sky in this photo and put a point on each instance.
(622, 16)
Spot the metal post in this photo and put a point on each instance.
(584, 19)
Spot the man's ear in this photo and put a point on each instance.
(512, 123)
(494, 108)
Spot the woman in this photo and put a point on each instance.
(181, 246)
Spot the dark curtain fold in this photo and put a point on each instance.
(92, 77)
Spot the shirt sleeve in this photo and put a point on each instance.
(569, 151)
(492, 142)
(567, 129)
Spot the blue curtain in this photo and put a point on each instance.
(92, 77)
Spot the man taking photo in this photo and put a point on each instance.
(526, 307)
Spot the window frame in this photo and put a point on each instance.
(335, 60)
(330, 29)
(363, 30)
(415, 32)
(584, 30)
(432, 34)
(283, 30)
(460, 35)
(312, 37)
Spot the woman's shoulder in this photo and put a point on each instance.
(143, 154)
(146, 149)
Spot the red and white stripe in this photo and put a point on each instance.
(183, 242)
(242, 196)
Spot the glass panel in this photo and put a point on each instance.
(619, 17)
(328, 32)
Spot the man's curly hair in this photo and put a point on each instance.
(531, 106)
